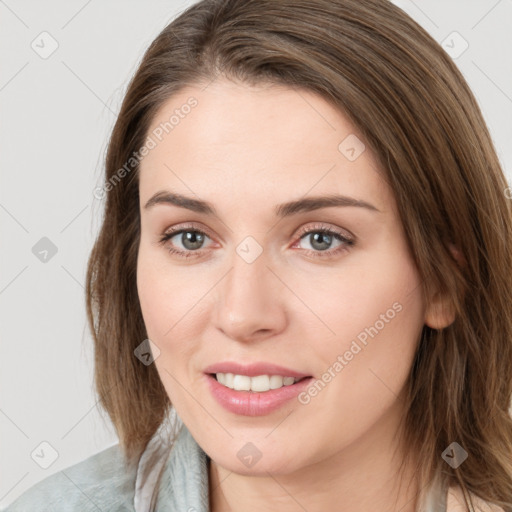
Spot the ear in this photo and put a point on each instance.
(440, 312)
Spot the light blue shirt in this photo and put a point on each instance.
(101, 483)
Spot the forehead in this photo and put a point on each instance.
(262, 139)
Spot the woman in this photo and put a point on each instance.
(305, 255)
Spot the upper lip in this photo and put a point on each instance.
(253, 369)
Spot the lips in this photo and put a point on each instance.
(249, 403)
(254, 369)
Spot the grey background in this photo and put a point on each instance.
(57, 113)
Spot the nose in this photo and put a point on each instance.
(250, 302)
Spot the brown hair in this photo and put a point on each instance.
(419, 117)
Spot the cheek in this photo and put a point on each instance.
(173, 308)
(377, 317)
(165, 293)
(153, 296)
(374, 296)
(164, 301)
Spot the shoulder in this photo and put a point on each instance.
(455, 502)
(100, 482)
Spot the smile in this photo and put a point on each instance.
(258, 384)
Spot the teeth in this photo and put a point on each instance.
(258, 384)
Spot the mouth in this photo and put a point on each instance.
(257, 383)
(258, 394)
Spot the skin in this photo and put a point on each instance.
(246, 149)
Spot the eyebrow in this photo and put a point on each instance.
(282, 210)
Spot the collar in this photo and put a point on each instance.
(184, 482)
(184, 485)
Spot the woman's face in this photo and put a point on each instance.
(260, 283)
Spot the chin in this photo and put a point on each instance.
(274, 465)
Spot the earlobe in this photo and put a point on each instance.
(440, 312)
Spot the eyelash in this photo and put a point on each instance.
(319, 228)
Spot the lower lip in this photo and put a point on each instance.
(251, 403)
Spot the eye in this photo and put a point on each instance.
(321, 238)
(190, 237)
